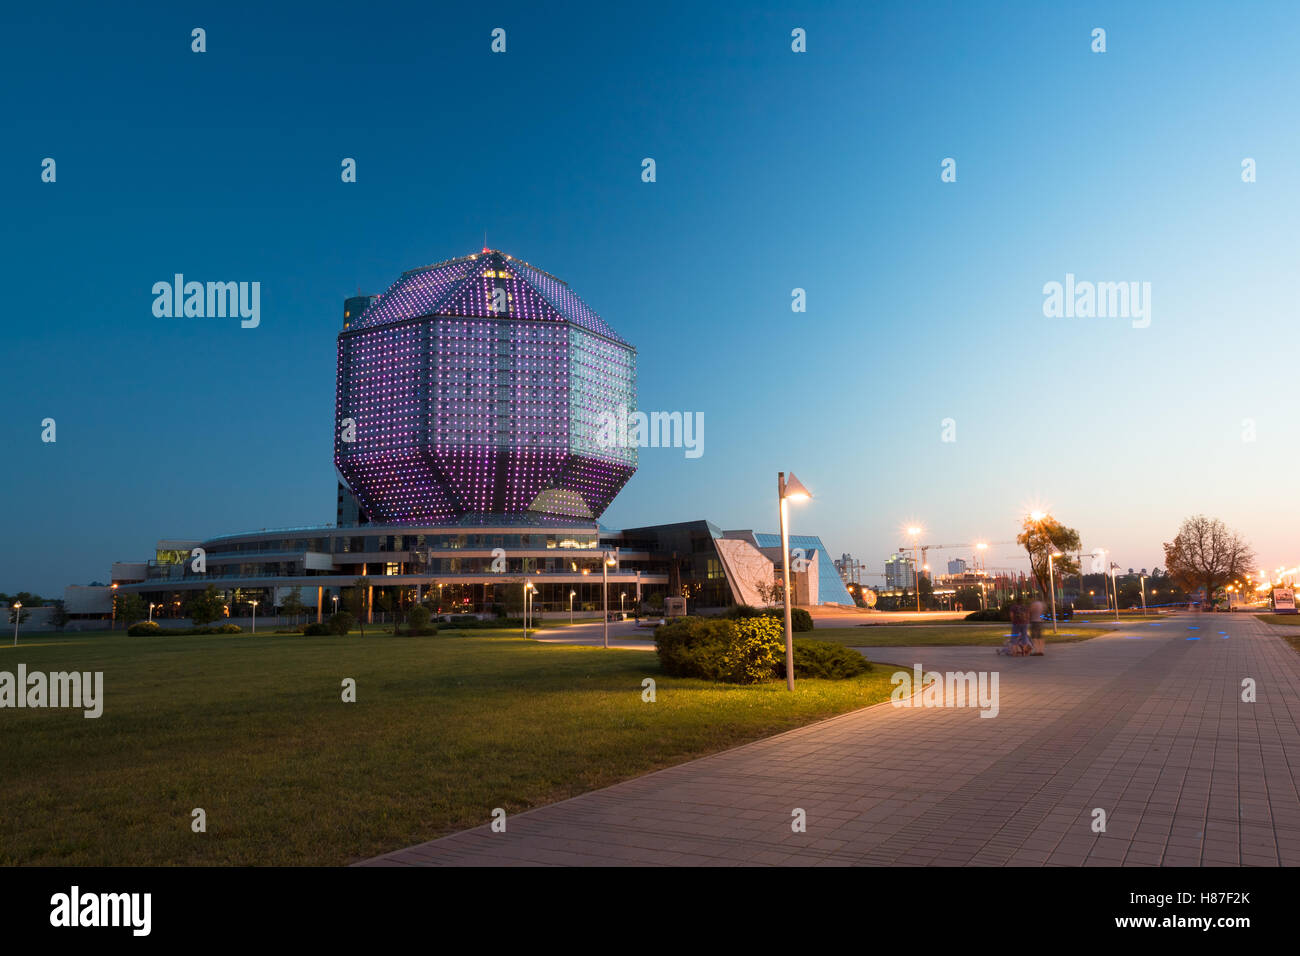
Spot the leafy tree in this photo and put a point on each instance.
(60, 615)
(1040, 537)
(357, 601)
(130, 608)
(19, 615)
(1207, 553)
(341, 623)
(384, 602)
(206, 606)
(292, 605)
(510, 595)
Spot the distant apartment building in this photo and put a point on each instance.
(900, 572)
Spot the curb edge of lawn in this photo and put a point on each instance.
(652, 773)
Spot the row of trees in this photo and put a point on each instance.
(1205, 553)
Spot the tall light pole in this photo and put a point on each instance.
(791, 490)
(916, 568)
(572, 595)
(1114, 586)
(528, 586)
(113, 625)
(151, 607)
(1142, 582)
(18, 616)
(604, 592)
(621, 596)
(254, 603)
(336, 603)
(1051, 580)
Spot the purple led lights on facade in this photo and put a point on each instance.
(477, 386)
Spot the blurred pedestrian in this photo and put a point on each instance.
(1036, 609)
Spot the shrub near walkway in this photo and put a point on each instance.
(252, 729)
(938, 635)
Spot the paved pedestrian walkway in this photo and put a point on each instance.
(1146, 724)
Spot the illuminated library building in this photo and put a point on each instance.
(468, 405)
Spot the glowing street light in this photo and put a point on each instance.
(604, 592)
(1051, 580)
(151, 607)
(528, 586)
(254, 603)
(113, 626)
(572, 595)
(916, 566)
(1114, 586)
(792, 490)
(18, 616)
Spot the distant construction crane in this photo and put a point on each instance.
(926, 548)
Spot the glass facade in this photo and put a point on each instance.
(475, 387)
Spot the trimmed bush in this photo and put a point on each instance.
(824, 659)
(716, 649)
(417, 624)
(230, 629)
(992, 614)
(317, 630)
(468, 622)
(143, 628)
(341, 623)
(760, 643)
(800, 619)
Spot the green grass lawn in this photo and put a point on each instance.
(252, 729)
(938, 635)
(1288, 621)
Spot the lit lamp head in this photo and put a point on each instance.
(794, 489)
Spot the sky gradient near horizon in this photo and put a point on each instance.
(775, 170)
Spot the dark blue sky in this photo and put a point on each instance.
(775, 170)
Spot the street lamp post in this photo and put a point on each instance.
(786, 491)
(254, 603)
(572, 595)
(113, 625)
(151, 607)
(1051, 580)
(1114, 586)
(916, 568)
(528, 587)
(604, 592)
(1142, 582)
(621, 596)
(18, 616)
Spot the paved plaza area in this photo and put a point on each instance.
(1145, 723)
